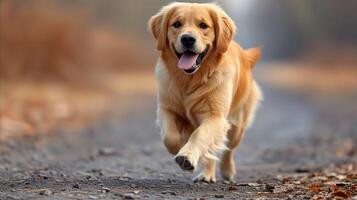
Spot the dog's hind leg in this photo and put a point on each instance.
(208, 173)
(227, 165)
(236, 133)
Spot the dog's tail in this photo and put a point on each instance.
(253, 55)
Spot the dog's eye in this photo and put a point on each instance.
(177, 24)
(203, 25)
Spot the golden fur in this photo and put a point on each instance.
(204, 114)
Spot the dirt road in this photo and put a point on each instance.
(121, 157)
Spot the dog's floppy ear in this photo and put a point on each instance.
(225, 28)
(158, 25)
(253, 55)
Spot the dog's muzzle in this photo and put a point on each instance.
(190, 61)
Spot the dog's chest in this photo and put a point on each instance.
(189, 105)
(186, 96)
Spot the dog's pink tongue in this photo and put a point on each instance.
(187, 60)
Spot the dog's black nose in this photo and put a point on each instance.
(187, 40)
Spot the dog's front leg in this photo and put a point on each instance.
(208, 173)
(169, 133)
(204, 143)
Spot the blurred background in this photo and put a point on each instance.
(65, 61)
(78, 96)
(51, 51)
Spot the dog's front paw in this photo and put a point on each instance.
(184, 163)
(187, 158)
(207, 177)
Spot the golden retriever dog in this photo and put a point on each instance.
(207, 96)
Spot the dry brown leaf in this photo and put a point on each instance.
(333, 188)
(342, 194)
(317, 197)
(314, 188)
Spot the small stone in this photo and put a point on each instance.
(219, 196)
(232, 188)
(171, 180)
(242, 184)
(98, 171)
(11, 197)
(226, 182)
(342, 184)
(253, 184)
(92, 197)
(46, 192)
(107, 152)
(269, 187)
(169, 192)
(302, 170)
(124, 178)
(105, 189)
(52, 173)
(128, 196)
(91, 178)
(77, 186)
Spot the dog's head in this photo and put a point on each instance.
(191, 32)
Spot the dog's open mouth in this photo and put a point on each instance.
(189, 61)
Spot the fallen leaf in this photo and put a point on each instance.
(232, 187)
(342, 194)
(314, 188)
(333, 188)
